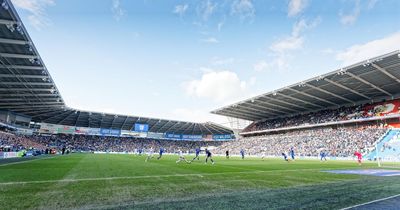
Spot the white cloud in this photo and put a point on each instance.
(243, 8)
(360, 52)
(371, 4)
(216, 85)
(117, 10)
(261, 66)
(222, 61)
(207, 8)
(350, 18)
(181, 9)
(37, 10)
(282, 48)
(295, 7)
(210, 40)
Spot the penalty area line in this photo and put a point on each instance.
(371, 202)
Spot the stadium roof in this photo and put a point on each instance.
(26, 87)
(372, 80)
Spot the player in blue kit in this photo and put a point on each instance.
(323, 155)
(209, 156)
(242, 153)
(291, 152)
(160, 153)
(197, 154)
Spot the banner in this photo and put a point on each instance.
(48, 128)
(155, 135)
(110, 132)
(24, 131)
(65, 129)
(192, 137)
(82, 130)
(139, 127)
(173, 136)
(222, 137)
(383, 108)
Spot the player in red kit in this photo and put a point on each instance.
(359, 157)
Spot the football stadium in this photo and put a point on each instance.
(328, 142)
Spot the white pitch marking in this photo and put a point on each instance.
(374, 201)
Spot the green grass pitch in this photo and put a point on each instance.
(104, 181)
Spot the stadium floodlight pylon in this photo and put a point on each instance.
(388, 150)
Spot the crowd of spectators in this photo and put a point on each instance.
(13, 143)
(336, 142)
(83, 143)
(324, 116)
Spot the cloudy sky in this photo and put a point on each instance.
(179, 59)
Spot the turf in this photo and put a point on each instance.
(94, 181)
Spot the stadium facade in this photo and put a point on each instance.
(29, 94)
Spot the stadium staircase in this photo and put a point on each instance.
(385, 138)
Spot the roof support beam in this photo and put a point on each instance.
(13, 55)
(29, 106)
(300, 100)
(214, 130)
(160, 128)
(23, 76)
(239, 114)
(257, 110)
(27, 83)
(14, 41)
(312, 96)
(204, 126)
(274, 105)
(269, 110)
(53, 116)
(62, 120)
(123, 124)
(368, 83)
(76, 121)
(330, 93)
(346, 88)
(188, 127)
(30, 103)
(39, 68)
(49, 95)
(246, 117)
(287, 103)
(173, 125)
(44, 112)
(245, 112)
(386, 72)
(8, 22)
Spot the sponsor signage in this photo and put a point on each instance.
(140, 127)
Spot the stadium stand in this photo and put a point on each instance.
(334, 141)
(340, 111)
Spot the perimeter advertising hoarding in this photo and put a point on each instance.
(65, 129)
(141, 127)
(183, 137)
(155, 135)
(48, 128)
(110, 132)
(173, 136)
(222, 137)
(192, 137)
(82, 130)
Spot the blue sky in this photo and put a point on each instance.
(180, 59)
